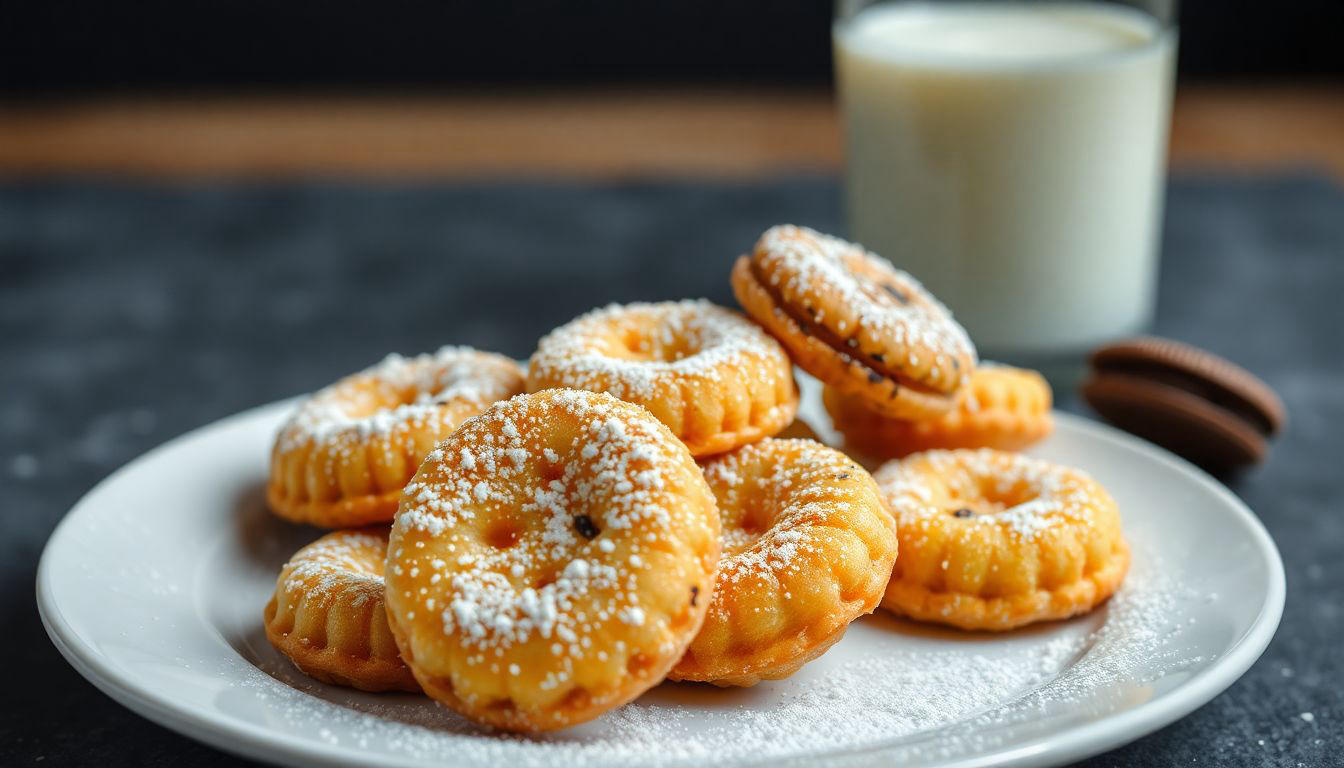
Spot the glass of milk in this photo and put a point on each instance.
(1010, 154)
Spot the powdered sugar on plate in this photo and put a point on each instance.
(164, 611)
(888, 684)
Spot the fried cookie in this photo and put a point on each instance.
(342, 458)
(808, 547)
(1001, 407)
(996, 540)
(855, 322)
(327, 613)
(545, 563)
(714, 378)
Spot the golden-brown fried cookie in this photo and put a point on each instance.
(714, 378)
(807, 548)
(1002, 407)
(995, 540)
(327, 613)
(343, 457)
(545, 564)
(855, 322)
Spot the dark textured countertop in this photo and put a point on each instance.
(130, 313)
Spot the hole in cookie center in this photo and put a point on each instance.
(367, 403)
(753, 527)
(989, 497)
(969, 510)
(740, 534)
(502, 534)
(424, 390)
(658, 347)
(637, 345)
(551, 472)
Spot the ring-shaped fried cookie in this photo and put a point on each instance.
(342, 459)
(855, 322)
(713, 377)
(996, 540)
(1002, 407)
(327, 613)
(808, 547)
(546, 559)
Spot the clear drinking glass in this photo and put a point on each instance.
(1011, 154)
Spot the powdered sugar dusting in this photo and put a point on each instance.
(634, 350)
(800, 492)
(504, 545)
(429, 391)
(895, 312)
(348, 562)
(1020, 494)
(923, 694)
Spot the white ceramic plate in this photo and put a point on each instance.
(153, 587)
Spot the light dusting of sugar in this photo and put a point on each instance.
(1043, 495)
(427, 392)
(799, 259)
(922, 700)
(800, 493)
(346, 563)
(494, 598)
(634, 351)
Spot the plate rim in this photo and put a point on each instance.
(254, 741)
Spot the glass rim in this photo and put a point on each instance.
(1163, 12)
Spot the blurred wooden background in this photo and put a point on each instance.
(590, 133)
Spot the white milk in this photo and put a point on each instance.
(1010, 156)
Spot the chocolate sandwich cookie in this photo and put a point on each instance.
(1192, 402)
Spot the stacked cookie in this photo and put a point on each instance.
(988, 539)
(625, 513)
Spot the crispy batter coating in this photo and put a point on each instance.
(855, 322)
(713, 377)
(1002, 407)
(807, 548)
(996, 540)
(327, 613)
(545, 561)
(342, 458)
